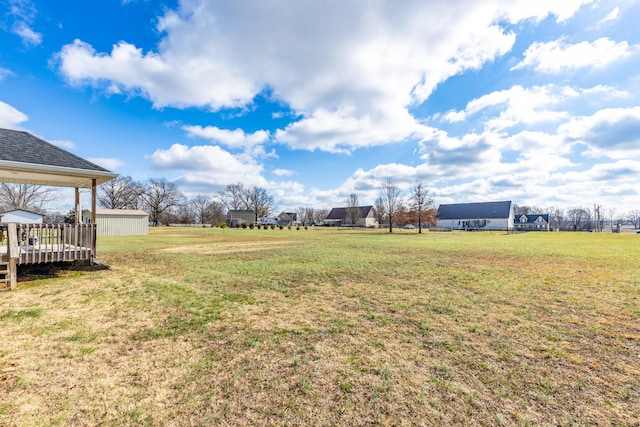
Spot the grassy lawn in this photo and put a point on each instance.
(330, 327)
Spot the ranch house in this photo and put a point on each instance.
(476, 216)
(340, 216)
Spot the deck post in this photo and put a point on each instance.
(14, 253)
(78, 218)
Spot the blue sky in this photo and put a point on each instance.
(535, 102)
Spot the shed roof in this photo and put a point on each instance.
(26, 159)
(119, 212)
(483, 210)
(20, 210)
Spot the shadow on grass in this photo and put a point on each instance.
(30, 272)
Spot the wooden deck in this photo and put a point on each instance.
(42, 243)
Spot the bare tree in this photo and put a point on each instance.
(233, 197)
(259, 201)
(556, 216)
(379, 211)
(319, 215)
(578, 217)
(391, 199)
(24, 196)
(184, 214)
(353, 209)
(200, 205)
(160, 196)
(634, 217)
(305, 215)
(120, 193)
(421, 202)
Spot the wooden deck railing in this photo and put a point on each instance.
(42, 243)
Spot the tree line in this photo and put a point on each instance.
(165, 204)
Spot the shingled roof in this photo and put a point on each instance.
(26, 159)
(486, 210)
(343, 213)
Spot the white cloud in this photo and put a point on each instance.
(349, 71)
(611, 132)
(10, 117)
(23, 13)
(610, 17)
(282, 172)
(231, 138)
(517, 105)
(4, 73)
(67, 145)
(28, 35)
(558, 56)
(208, 165)
(107, 163)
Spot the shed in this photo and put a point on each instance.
(21, 216)
(476, 216)
(119, 222)
(236, 217)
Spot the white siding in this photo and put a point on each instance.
(112, 222)
(492, 223)
(21, 217)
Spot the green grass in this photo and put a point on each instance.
(201, 326)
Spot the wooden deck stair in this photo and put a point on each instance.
(5, 277)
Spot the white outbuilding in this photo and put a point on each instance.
(21, 216)
(119, 222)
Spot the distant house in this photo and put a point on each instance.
(340, 216)
(119, 222)
(532, 222)
(477, 216)
(21, 216)
(287, 218)
(239, 217)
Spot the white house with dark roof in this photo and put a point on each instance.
(532, 222)
(340, 216)
(477, 216)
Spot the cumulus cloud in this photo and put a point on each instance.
(611, 132)
(67, 145)
(10, 117)
(558, 56)
(231, 138)
(207, 164)
(349, 71)
(514, 106)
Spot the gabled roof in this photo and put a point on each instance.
(343, 213)
(26, 159)
(531, 218)
(484, 210)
